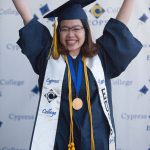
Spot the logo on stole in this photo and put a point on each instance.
(50, 96)
(97, 11)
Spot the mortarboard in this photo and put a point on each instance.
(70, 10)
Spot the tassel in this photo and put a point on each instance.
(72, 146)
(69, 147)
(53, 49)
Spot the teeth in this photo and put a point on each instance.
(71, 42)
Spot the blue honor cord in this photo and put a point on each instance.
(77, 80)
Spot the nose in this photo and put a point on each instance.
(70, 32)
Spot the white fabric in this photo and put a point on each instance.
(46, 124)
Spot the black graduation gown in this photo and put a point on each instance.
(118, 48)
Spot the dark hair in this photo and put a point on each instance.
(88, 49)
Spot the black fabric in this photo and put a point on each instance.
(35, 42)
(118, 48)
(72, 9)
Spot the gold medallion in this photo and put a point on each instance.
(77, 103)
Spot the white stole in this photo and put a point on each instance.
(48, 112)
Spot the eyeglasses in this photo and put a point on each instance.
(74, 29)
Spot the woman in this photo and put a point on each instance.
(75, 110)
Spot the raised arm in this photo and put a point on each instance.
(125, 11)
(23, 9)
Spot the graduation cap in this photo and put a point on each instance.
(70, 10)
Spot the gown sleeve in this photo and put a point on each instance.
(118, 47)
(35, 41)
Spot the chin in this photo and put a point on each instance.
(73, 48)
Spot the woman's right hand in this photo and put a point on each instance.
(23, 9)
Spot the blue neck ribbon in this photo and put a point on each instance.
(77, 80)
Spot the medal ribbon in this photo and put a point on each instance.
(77, 80)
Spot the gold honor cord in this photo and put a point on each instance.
(88, 102)
(71, 145)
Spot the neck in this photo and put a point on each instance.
(74, 53)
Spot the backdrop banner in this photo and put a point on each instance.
(19, 93)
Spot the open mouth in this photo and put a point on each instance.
(71, 42)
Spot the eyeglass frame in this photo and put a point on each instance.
(74, 29)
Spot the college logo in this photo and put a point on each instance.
(97, 10)
(11, 82)
(50, 96)
(49, 112)
(120, 82)
(49, 81)
(99, 81)
(35, 90)
(16, 117)
(143, 18)
(44, 9)
(143, 92)
(144, 89)
(132, 117)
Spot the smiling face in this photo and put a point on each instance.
(72, 35)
